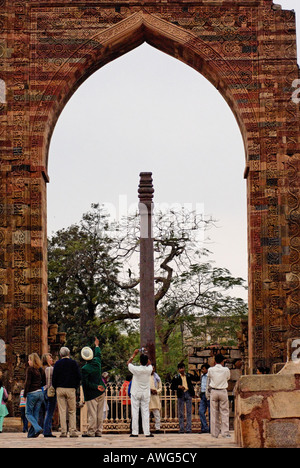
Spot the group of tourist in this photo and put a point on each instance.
(213, 398)
(48, 384)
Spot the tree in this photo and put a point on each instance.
(186, 286)
(79, 288)
(93, 274)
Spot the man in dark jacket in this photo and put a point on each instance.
(93, 389)
(66, 379)
(182, 384)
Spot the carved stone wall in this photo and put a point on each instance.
(267, 409)
(246, 48)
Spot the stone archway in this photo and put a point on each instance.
(246, 48)
(129, 33)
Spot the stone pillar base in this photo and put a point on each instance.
(267, 410)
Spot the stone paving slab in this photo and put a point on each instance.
(172, 442)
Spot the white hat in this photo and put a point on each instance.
(87, 354)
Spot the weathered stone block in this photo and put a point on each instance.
(194, 360)
(250, 434)
(247, 405)
(235, 354)
(204, 353)
(263, 383)
(285, 405)
(268, 410)
(283, 433)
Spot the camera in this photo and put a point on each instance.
(142, 350)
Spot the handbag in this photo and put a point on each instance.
(51, 392)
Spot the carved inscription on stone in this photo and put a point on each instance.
(247, 49)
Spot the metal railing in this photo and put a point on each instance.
(117, 411)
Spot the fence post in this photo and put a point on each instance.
(118, 420)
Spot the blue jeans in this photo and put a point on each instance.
(186, 400)
(50, 403)
(34, 402)
(24, 419)
(204, 405)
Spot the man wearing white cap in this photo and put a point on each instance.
(93, 389)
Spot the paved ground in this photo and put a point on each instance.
(110, 442)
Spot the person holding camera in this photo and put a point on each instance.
(140, 392)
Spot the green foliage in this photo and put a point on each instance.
(81, 273)
(93, 287)
(177, 352)
(116, 348)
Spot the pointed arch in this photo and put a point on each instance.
(117, 40)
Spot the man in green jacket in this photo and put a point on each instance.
(93, 390)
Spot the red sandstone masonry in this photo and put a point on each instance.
(268, 411)
(246, 48)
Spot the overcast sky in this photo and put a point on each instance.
(147, 111)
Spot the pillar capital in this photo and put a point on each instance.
(146, 189)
